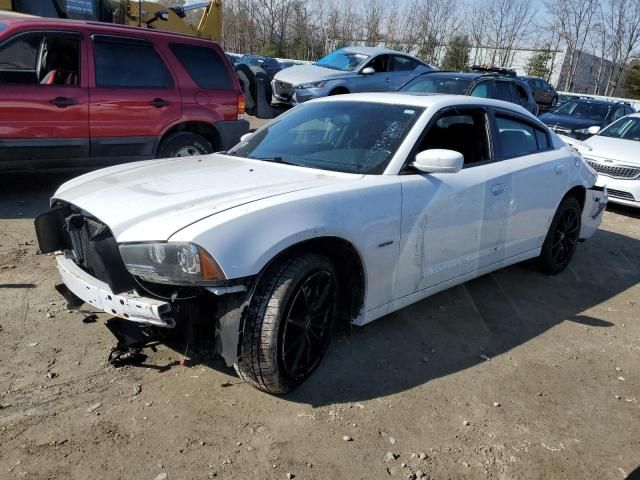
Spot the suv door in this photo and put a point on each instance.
(43, 98)
(538, 179)
(134, 97)
(452, 223)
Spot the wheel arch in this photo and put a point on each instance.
(206, 129)
(348, 262)
(339, 90)
(579, 192)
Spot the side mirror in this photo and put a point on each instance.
(246, 137)
(438, 161)
(593, 130)
(368, 71)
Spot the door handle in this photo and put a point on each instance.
(559, 169)
(159, 102)
(63, 102)
(388, 80)
(498, 188)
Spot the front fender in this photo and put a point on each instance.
(365, 213)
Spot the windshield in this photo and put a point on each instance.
(625, 128)
(342, 136)
(588, 110)
(431, 83)
(342, 60)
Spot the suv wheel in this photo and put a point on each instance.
(184, 144)
(289, 323)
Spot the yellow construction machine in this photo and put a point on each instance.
(129, 12)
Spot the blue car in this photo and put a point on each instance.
(347, 70)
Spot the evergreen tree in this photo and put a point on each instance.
(632, 80)
(456, 57)
(538, 64)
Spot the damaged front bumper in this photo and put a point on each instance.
(149, 311)
(596, 199)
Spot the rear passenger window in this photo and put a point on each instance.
(123, 64)
(204, 65)
(503, 91)
(402, 64)
(516, 138)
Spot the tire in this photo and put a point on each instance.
(562, 238)
(184, 144)
(281, 345)
(338, 91)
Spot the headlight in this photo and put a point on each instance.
(176, 263)
(584, 131)
(312, 85)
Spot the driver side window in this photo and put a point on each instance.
(461, 130)
(380, 63)
(40, 59)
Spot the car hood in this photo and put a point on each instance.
(310, 73)
(573, 123)
(152, 200)
(617, 149)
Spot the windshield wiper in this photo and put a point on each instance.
(274, 160)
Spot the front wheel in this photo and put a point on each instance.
(289, 323)
(562, 238)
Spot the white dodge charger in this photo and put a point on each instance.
(343, 209)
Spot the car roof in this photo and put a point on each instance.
(469, 75)
(12, 19)
(596, 100)
(371, 50)
(424, 100)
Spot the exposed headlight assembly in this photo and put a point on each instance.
(174, 263)
(584, 131)
(312, 85)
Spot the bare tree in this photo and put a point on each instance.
(573, 19)
(622, 19)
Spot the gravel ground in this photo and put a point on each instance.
(515, 375)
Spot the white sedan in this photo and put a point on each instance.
(343, 209)
(615, 154)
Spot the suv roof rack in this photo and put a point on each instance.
(510, 72)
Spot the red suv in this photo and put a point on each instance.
(76, 93)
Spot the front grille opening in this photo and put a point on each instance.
(620, 194)
(615, 171)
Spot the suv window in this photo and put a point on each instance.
(463, 131)
(521, 95)
(402, 64)
(517, 138)
(481, 90)
(121, 63)
(503, 91)
(205, 67)
(40, 58)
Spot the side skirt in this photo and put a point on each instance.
(407, 300)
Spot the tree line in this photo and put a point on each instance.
(449, 34)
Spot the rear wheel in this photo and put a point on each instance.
(184, 144)
(562, 238)
(289, 323)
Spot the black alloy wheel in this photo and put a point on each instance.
(562, 238)
(307, 325)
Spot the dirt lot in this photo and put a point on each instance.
(515, 375)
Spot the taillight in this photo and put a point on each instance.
(240, 106)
